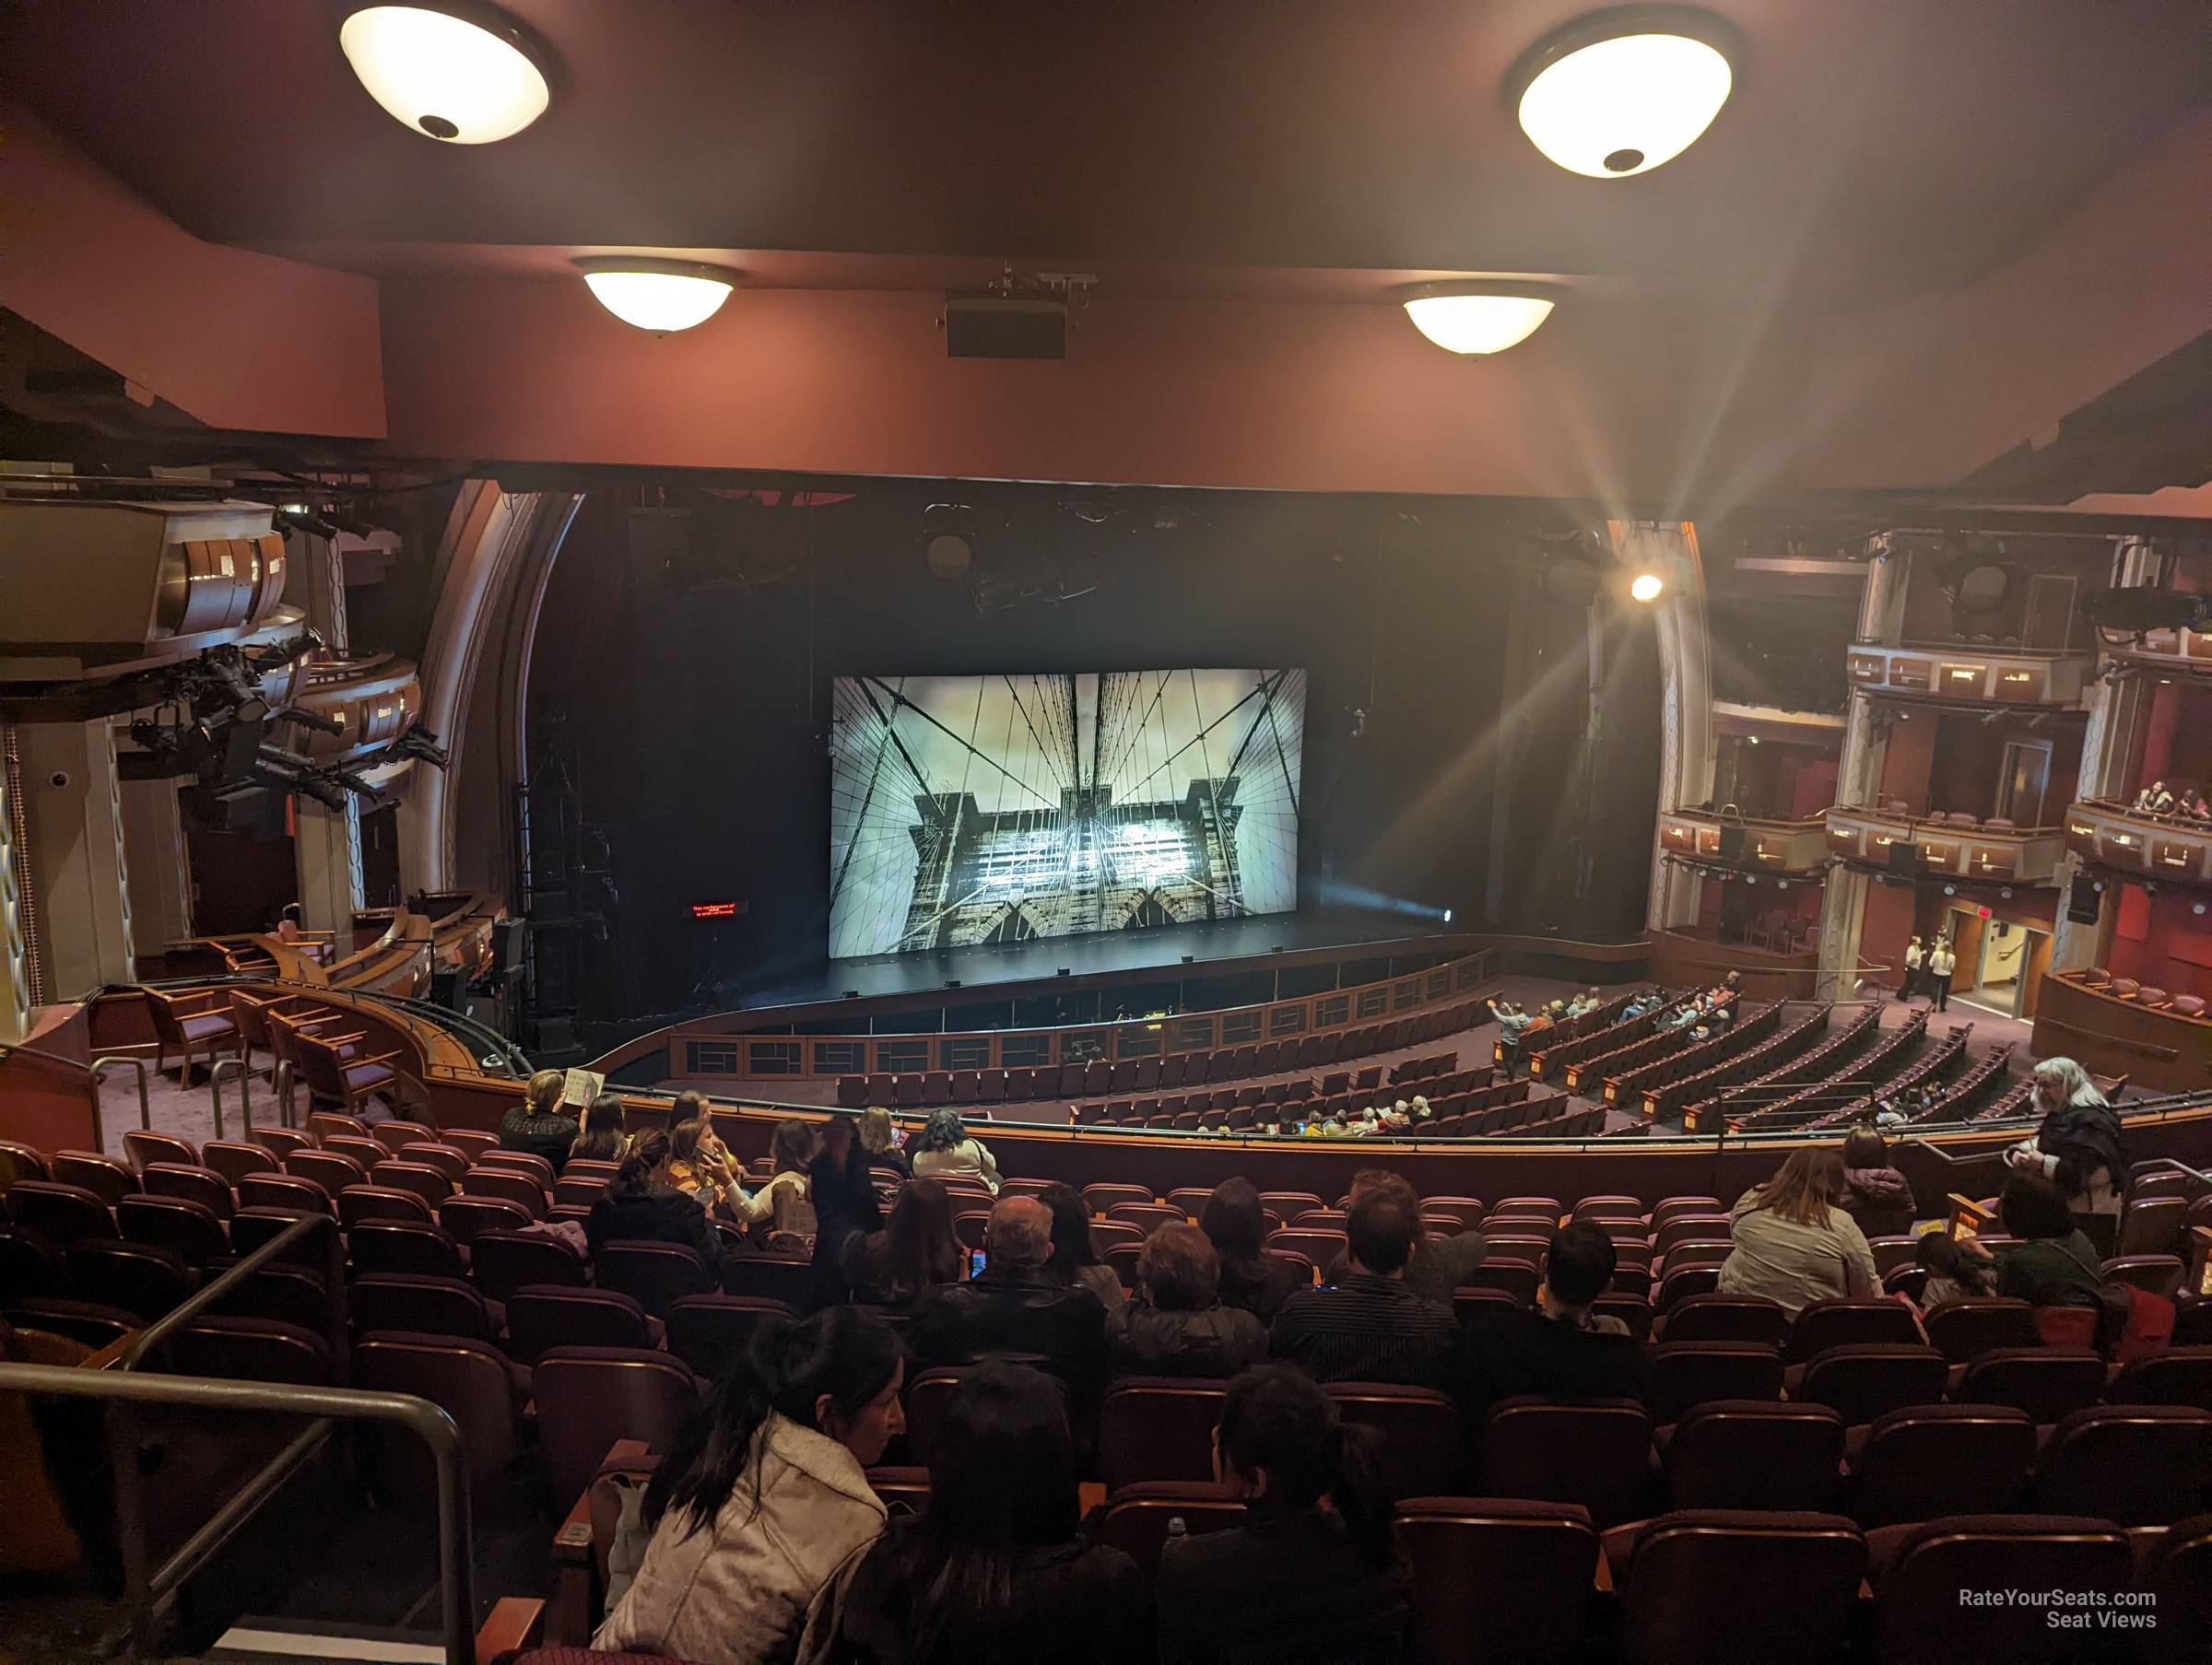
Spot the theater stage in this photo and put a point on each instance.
(1213, 947)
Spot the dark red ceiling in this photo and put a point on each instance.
(1874, 147)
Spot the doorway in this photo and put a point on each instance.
(2001, 963)
(2022, 780)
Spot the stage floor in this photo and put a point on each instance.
(1102, 952)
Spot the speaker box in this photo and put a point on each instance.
(1904, 856)
(1732, 842)
(2085, 902)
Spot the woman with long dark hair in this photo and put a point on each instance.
(785, 1202)
(1313, 1573)
(993, 1572)
(602, 1139)
(845, 1206)
(1073, 1257)
(1250, 1279)
(641, 1205)
(915, 1250)
(945, 1149)
(764, 1501)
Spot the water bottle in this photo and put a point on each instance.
(1176, 1528)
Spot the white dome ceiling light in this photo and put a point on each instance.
(1622, 91)
(662, 296)
(462, 73)
(1484, 315)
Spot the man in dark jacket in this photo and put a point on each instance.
(1368, 1327)
(1563, 1349)
(1016, 1309)
(1177, 1325)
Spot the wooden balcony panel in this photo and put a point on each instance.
(1768, 846)
(2025, 855)
(2180, 650)
(1971, 675)
(2166, 847)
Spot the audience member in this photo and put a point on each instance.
(845, 1205)
(700, 1166)
(1915, 959)
(1016, 1305)
(915, 1250)
(541, 1124)
(1073, 1257)
(1876, 1194)
(945, 1150)
(2055, 1263)
(1251, 1279)
(1942, 962)
(880, 1140)
(1369, 1327)
(639, 1205)
(2154, 800)
(1563, 1349)
(602, 1139)
(783, 1204)
(764, 1501)
(1793, 1245)
(995, 1571)
(1177, 1325)
(1313, 1575)
(1953, 1272)
(2077, 1146)
(1439, 1265)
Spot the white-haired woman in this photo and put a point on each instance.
(2077, 1145)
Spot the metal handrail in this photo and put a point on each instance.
(91, 1074)
(245, 1093)
(209, 1294)
(149, 1592)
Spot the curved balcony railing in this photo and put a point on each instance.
(2175, 848)
(1994, 853)
(1968, 674)
(1752, 844)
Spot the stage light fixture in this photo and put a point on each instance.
(1447, 915)
(1624, 90)
(462, 73)
(1645, 587)
(1479, 316)
(663, 296)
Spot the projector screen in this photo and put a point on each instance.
(995, 809)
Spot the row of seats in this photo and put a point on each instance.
(1755, 1045)
(1818, 1109)
(2128, 989)
(1096, 1077)
(1858, 1052)
(1662, 1039)
(1575, 1039)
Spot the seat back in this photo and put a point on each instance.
(189, 1228)
(2048, 1383)
(527, 1161)
(1967, 1328)
(1594, 1455)
(589, 1397)
(1321, 1248)
(1417, 1431)
(768, 1277)
(1920, 1614)
(464, 1217)
(248, 1350)
(1148, 1217)
(501, 1261)
(89, 1170)
(2138, 1465)
(1497, 1579)
(333, 1171)
(202, 1185)
(1158, 1428)
(540, 1318)
(468, 1380)
(394, 1134)
(1754, 1454)
(710, 1333)
(358, 1202)
(655, 1275)
(1684, 1374)
(2180, 1376)
(1135, 1518)
(60, 1213)
(2176, 1573)
(288, 1192)
(143, 1146)
(420, 1305)
(235, 1159)
(1100, 1199)
(1727, 1317)
(1853, 1321)
(448, 1158)
(1925, 1460)
(2152, 1225)
(1783, 1581)
(1862, 1380)
(290, 1294)
(420, 1177)
(145, 1278)
(508, 1184)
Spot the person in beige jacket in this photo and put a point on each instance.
(1793, 1244)
(765, 1505)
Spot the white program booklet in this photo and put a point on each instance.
(582, 1087)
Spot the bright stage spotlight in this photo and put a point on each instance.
(1646, 586)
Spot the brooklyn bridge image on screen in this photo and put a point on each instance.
(986, 809)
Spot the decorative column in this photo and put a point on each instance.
(18, 973)
(2112, 749)
(1859, 774)
(1686, 695)
(78, 871)
(327, 844)
(159, 875)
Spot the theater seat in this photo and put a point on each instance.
(2048, 1383)
(1752, 1454)
(1687, 1374)
(501, 1261)
(1596, 1454)
(1497, 1579)
(60, 1212)
(1730, 1587)
(1158, 1428)
(2180, 1376)
(1419, 1427)
(1965, 1329)
(1861, 1382)
(468, 1379)
(1924, 1460)
(543, 1317)
(588, 1397)
(1134, 1519)
(2189, 1005)
(1921, 1571)
(1727, 1317)
(710, 1333)
(2175, 1570)
(655, 1275)
(249, 1350)
(2138, 1465)
(420, 1305)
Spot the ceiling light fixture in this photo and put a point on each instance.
(461, 72)
(1481, 315)
(1624, 90)
(662, 296)
(1645, 587)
